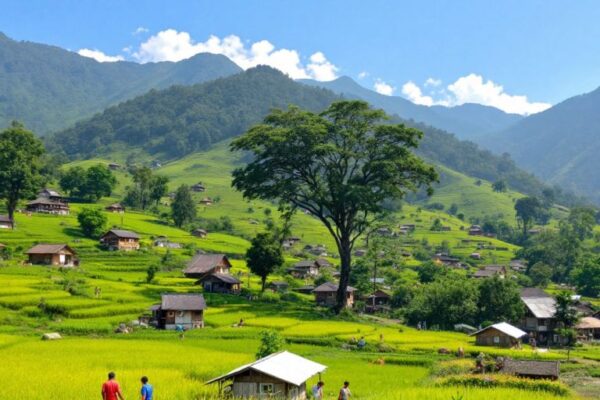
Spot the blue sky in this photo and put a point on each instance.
(544, 50)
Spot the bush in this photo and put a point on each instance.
(270, 342)
(505, 381)
(92, 222)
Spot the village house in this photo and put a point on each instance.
(184, 310)
(164, 242)
(490, 271)
(325, 294)
(293, 240)
(198, 187)
(588, 329)
(279, 286)
(475, 256)
(205, 264)
(115, 208)
(281, 375)
(323, 263)
(201, 233)
(500, 335)
(114, 166)
(51, 194)
(539, 321)
(45, 205)
(118, 239)
(445, 259)
(207, 201)
(475, 230)
(303, 269)
(377, 301)
(52, 254)
(518, 265)
(532, 369)
(221, 283)
(5, 222)
(360, 253)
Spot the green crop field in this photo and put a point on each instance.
(399, 362)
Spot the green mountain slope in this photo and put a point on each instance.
(49, 88)
(561, 145)
(180, 120)
(467, 121)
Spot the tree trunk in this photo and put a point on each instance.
(11, 206)
(263, 280)
(345, 251)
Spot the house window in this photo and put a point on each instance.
(496, 339)
(265, 388)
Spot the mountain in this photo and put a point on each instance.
(181, 120)
(49, 88)
(560, 145)
(467, 121)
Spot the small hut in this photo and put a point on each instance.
(118, 239)
(201, 233)
(325, 294)
(5, 222)
(185, 310)
(281, 375)
(588, 328)
(205, 264)
(52, 254)
(531, 369)
(115, 208)
(221, 283)
(500, 335)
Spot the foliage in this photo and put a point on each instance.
(20, 153)
(583, 220)
(338, 166)
(586, 277)
(436, 226)
(92, 222)
(528, 209)
(264, 256)
(183, 208)
(270, 342)
(500, 186)
(147, 188)
(430, 271)
(499, 300)
(540, 274)
(90, 185)
(151, 273)
(566, 314)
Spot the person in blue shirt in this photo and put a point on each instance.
(147, 389)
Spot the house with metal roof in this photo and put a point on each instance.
(52, 254)
(281, 375)
(325, 294)
(501, 334)
(119, 239)
(5, 222)
(179, 310)
(539, 321)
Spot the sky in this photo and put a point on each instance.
(519, 56)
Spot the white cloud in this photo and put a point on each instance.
(140, 29)
(171, 45)
(363, 74)
(414, 94)
(473, 88)
(433, 82)
(383, 88)
(99, 56)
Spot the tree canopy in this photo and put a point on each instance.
(264, 255)
(339, 166)
(183, 208)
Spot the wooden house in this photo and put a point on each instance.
(46, 205)
(184, 310)
(490, 271)
(52, 254)
(198, 187)
(220, 283)
(588, 329)
(377, 301)
(114, 166)
(539, 321)
(323, 263)
(325, 294)
(115, 208)
(500, 335)
(303, 269)
(206, 264)
(51, 194)
(118, 239)
(476, 230)
(5, 222)
(281, 375)
(533, 369)
(201, 233)
(445, 259)
(207, 201)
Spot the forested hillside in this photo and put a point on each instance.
(49, 88)
(466, 121)
(181, 120)
(560, 145)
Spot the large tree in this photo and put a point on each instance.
(147, 188)
(499, 300)
(264, 255)
(339, 166)
(527, 211)
(20, 153)
(183, 208)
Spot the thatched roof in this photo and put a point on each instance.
(589, 323)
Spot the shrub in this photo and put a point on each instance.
(92, 222)
(270, 342)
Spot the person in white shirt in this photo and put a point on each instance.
(345, 392)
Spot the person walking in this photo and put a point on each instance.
(111, 389)
(147, 389)
(345, 392)
(317, 390)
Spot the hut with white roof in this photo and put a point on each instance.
(281, 375)
(501, 334)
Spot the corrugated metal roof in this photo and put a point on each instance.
(505, 328)
(123, 234)
(286, 366)
(540, 303)
(188, 302)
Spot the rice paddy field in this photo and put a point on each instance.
(87, 303)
